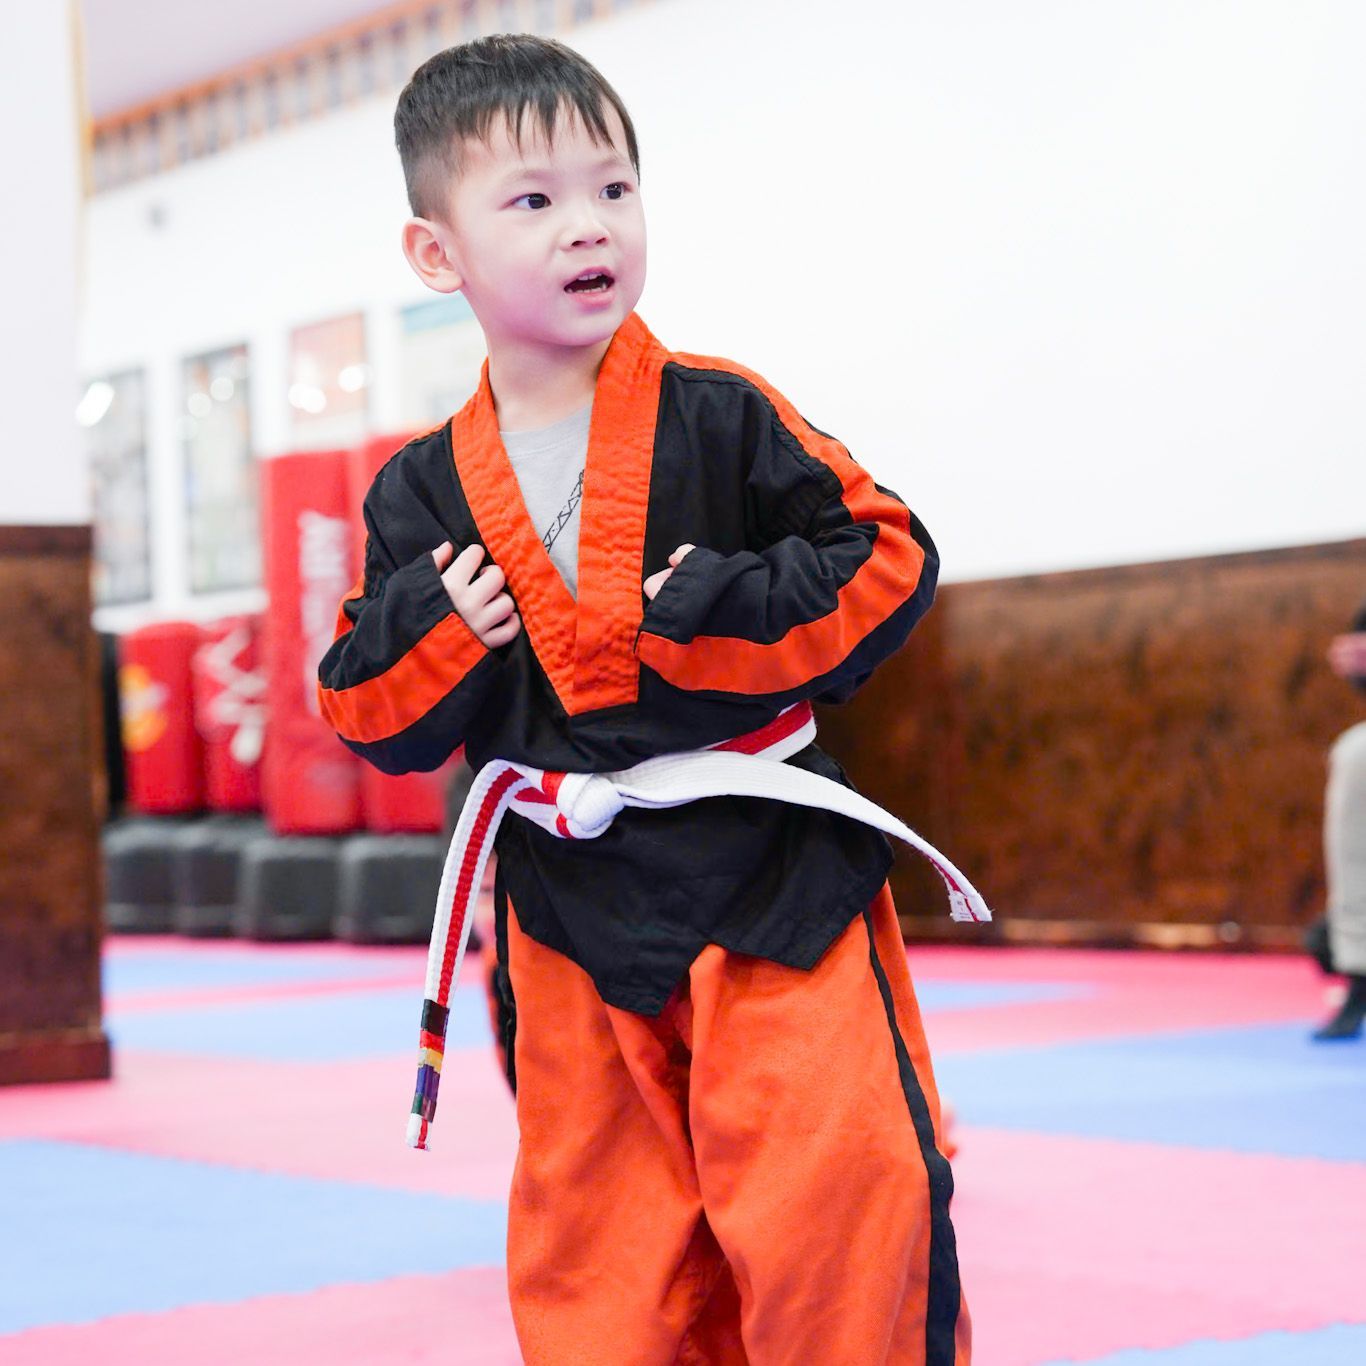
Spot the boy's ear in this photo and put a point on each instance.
(429, 256)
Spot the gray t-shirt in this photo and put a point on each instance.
(549, 464)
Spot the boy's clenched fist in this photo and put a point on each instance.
(477, 594)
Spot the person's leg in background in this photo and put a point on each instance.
(1344, 838)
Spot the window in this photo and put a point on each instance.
(112, 413)
(220, 472)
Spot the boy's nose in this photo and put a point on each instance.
(589, 235)
(586, 229)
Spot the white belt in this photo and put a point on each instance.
(583, 805)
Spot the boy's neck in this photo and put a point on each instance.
(535, 387)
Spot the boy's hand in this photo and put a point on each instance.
(478, 597)
(655, 582)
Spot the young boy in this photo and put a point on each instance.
(726, 1110)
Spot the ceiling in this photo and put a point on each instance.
(137, 49)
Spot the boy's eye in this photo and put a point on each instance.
(615, 190)
(533, 200)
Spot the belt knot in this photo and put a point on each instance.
(588, 802)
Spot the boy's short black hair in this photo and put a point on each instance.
(458, 94)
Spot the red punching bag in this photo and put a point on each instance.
(230, 712)
(163, 752)
(411, 801)
(310, 780)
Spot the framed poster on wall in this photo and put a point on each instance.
(112, 414)
(222, 512)
(329, 383)
(441, 352)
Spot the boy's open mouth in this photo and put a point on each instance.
(589, 281)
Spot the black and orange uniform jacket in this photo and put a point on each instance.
(806, 575)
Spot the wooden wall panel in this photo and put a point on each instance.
(50, 891)
(900, 740)
(1121, 754)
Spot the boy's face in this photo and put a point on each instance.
(523, 226)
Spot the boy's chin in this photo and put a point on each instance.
(587, 331)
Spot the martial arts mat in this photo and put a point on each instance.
(1156, 1167)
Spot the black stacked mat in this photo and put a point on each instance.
(139, 879)
(206, 872)
(223, 874)
(387, 888)
(288, 887)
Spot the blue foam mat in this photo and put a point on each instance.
(335, 1027)
(371, 1023)
(89, 1232)
(1338, 1345)
(933, 995)
(1262, 1089)
(130, 971)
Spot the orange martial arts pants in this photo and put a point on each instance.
(750, 1177)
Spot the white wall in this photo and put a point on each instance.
(42, 474)
(243, 247)
(1082, 279)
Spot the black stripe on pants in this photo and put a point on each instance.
(945, 1290)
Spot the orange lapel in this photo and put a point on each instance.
(586, 650)
(490, 486)
(616, 495)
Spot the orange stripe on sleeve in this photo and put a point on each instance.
(405, 692)
(886, 580)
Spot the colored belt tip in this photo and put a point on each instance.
(430, 1055)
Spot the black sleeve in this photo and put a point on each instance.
(841, 571)
(404, 676)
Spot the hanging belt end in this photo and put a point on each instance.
(972, 910)
(430, 1055)
(424, 1105)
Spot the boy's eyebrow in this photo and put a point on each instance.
(524, 171)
